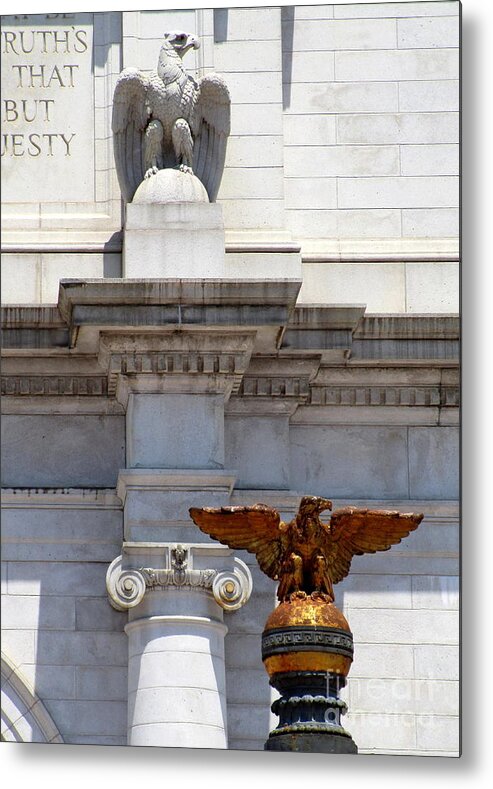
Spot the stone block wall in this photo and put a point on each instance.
(405, 626)
(344, 142)
(66, 640)
(371, 152)
(58, 628)
(38, 450)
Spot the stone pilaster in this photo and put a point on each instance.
(176, 595)
(174, 352)
(156, 501)
(173, 386)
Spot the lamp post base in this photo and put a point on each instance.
(307, 649)
(311, 742)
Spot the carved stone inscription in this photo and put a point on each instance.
(47, 108)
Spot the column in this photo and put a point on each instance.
(174, 352)
(176, 595)
(173, 386)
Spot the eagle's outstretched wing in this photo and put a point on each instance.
(210, 126)
(257, 529)
(130, 116)
(357, 531)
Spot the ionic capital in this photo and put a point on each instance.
(127, 585)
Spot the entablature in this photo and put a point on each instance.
(310, 355)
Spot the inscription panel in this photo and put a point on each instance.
(47, 108)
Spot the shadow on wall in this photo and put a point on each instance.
(81, 656)
(220, 25)
(57, 624)
(111, 31)
(287, 21)
(112, 254)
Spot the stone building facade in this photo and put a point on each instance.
(323, 359)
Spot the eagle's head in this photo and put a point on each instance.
(313, 506)
(180, 42)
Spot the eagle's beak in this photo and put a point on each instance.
(192, 43)
(325, 504)
(182, 42)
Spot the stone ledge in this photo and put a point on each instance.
(380, 250)
(383, 415)
(401, 326)
(173, 479)
(176, 291)
(358, 336)
(288, 500)
(184, 303)
(59, 405)
(60, 498)
(32, 326)
(437, 510)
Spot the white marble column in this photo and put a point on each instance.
(176, 595)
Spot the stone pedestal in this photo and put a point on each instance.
(174, 240)
(176, 595)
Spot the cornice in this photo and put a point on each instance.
(203, 336)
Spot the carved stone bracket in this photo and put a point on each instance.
(191, 361)
(126, 587)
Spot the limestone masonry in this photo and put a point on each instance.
(298, 335)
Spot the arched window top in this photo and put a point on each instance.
(24, 716)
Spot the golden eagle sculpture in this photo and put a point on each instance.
(167, 119)
(305, 555)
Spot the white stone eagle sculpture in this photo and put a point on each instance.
(167, 119)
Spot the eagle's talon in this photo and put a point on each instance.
(184, 168)
(151, 171)
(316, 595)
(299, 595)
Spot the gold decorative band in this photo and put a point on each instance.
(307, 661)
